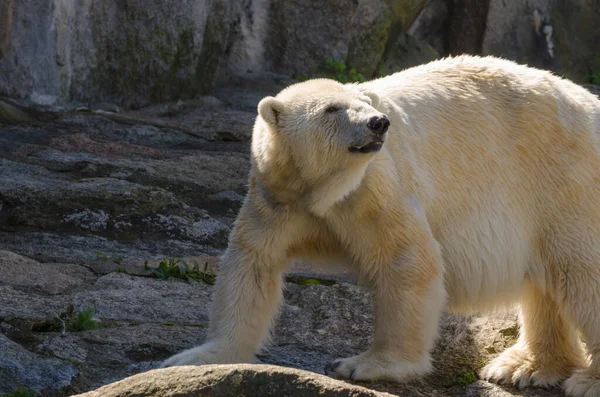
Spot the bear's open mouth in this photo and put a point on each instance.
(368, 148)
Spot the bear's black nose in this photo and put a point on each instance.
(378, 125)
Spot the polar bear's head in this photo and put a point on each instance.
(318, 129)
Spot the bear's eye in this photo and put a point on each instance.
(332, 109)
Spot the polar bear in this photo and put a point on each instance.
(468, 183)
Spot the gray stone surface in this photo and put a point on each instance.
(142, 320)
(6, 8)
(116, 55)
(26, 305)
(558, 35)
(148, 50)
(83, 184)
(301, 35)
(21, 367)
(377, 24)
(50, 278)
(121, 297)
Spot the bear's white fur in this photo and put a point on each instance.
(485, 193)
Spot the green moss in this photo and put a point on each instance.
(366, 49)
(213, 46)
(466, 378)
(161, 66)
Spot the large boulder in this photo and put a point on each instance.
(126, 52)
(240, 380)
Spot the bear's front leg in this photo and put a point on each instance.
(409, 297)
(248, 291)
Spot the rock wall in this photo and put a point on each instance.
(136, 52)
(560, 35)
(130, 52)
(5, 24)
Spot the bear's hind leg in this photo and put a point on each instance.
(573, 247)
(583, 306)
(548, 350)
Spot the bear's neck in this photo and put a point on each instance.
(281, 187)
(335, 188)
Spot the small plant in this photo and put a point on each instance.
(466, 378)
(81, 321)
(337, 70)
(20, 392)
(309, 281)
(117, 260)
(178, 268)
(300, 77)
(303, 280)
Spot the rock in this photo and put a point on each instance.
(11, 114)
(594, 89)
(452, 27)
(6, 10)
(84, 184)
(149, 51)
(106, 355)
(430, 25)
(144, 320)
(376, 25)
(559, 36)
(50, 278)
(575, 35)
(517, 32)
(121, 297)
(467, 26)
(35, 199)
(22, 368)
(34, 307)
(100, 254)
(213, 123)
(405, 52)
(231, 380)
(302, 35)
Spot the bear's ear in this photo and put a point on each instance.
(374, 98)
(269, 109)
